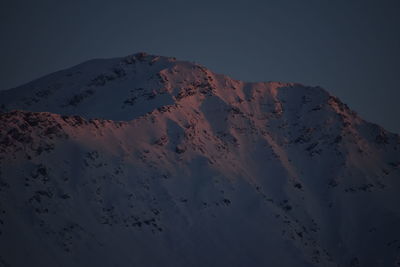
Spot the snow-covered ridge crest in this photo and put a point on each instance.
(128, 87)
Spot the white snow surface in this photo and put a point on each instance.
(149, 161)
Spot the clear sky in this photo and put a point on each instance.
(349, 47)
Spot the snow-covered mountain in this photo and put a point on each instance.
(149, 161)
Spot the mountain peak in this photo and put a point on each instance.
(145, 161)
(145, 57)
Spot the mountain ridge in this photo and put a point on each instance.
(200, 169)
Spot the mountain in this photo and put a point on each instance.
(149, 161)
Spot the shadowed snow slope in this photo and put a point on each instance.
(150, 161)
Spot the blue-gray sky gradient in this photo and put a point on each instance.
(349, 47)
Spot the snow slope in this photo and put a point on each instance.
(185, 167)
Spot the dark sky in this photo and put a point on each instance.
(351, 48)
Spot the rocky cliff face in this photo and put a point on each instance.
(150, 161)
